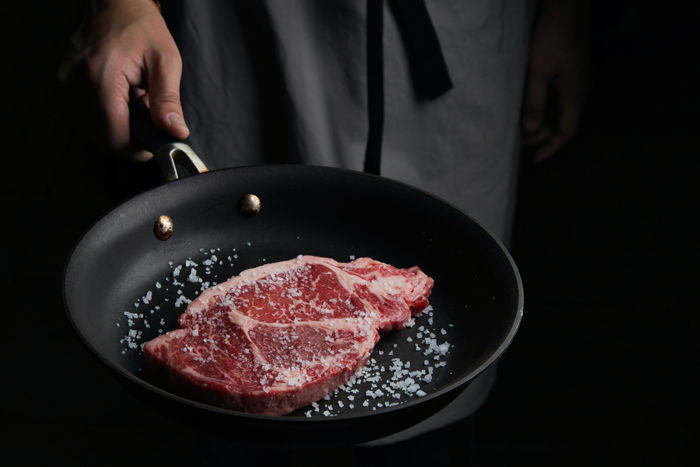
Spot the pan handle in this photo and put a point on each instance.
(173, 154)
(169, 152)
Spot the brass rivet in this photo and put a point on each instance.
(250, 205)
(163, 228)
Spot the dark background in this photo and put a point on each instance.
(602, 371)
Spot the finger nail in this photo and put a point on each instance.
(142, 156)
(176, 120)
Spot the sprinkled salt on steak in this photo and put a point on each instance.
(281, 336)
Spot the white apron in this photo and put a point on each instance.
(286, 81)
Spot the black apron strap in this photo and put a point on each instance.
(429, 71)
(375, 85)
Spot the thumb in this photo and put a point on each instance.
(164, 95)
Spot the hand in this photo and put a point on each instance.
(557, 77)
(124, 49)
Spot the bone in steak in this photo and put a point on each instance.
(281, 336)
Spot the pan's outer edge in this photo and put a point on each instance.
(462, 382)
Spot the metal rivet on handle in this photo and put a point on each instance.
(250, 205)
(163, 228)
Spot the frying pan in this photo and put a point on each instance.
(337, 213)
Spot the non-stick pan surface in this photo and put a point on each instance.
(310, 210)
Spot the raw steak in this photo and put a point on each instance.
(278, 337)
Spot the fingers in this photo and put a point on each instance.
(113, 87)
(535, 102)
(116, 113)
(134, 152)
(550, 122)
(538, 137)
(141, 155)
(164, 72)
(566, 123)
(113, 95)
(546, 150)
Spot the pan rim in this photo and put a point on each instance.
(290, 419)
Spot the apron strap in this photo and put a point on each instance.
(375, 85)
(429, 72)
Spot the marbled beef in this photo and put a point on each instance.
(280, 336)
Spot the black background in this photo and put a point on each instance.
(602, 370)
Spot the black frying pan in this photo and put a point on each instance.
(306, 210)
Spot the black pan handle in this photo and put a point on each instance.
(143, 130)
(168, 151)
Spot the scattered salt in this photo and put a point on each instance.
(147, 298)
(382, 384)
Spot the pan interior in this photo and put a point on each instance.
(120, 284)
